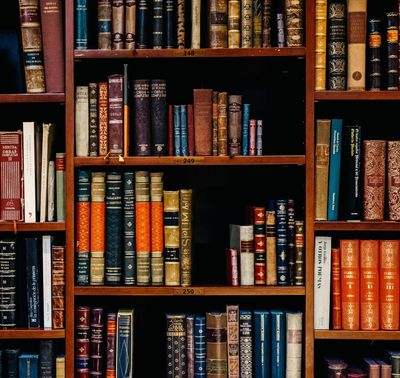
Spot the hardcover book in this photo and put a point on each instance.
(158, 95)
(216, 344)
(185, 233)
(200, 369)
(294, 23)
(336, 290)
(232, 329)
(218, 13)
(82, 340)
(124, 343)
(393, 179)
(96, 341)
(58, 286)
(246, 343)
(202, 112)
(141, 94)
(294, 336)
(176, 345)
(129, 229)
(118, 9)
(104, 24)
(278, 343)
(115, 114)
(262, 343)
(321, 7)
(270, 218)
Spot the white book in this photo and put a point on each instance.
(46, 277)
(82, 121)
(294, 330)
(196, 15)
(322, 281)
(28, 134)
(50, 191)
(46, 150)
(38, 163)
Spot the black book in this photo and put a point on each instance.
(33, 282)
(158, 95)
(143, 24)
(46, 359)
(11, 362)
(7, 284)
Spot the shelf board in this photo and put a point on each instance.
(356, 226)
(191, 160)
(356, 335)
(32, 333)
(356, 95)
(189, 291)
(190, 53)
(32, 97)
(38, 226)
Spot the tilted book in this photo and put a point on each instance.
(124, 343)
(216, 344)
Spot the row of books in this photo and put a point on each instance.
(32, 283)
(269, 249)
(357, 283)
(235, 343)
(131, 231)
(32, 176)
(44, 363)
(355, 179)
(183, 24)
(216, 123)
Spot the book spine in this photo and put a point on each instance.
(60, 186)
(117, 24)
(141, 94)
(262, 342)
(321, 8)
(294, 23)
(278, 343)
(235, 124)
(93, 120)
(392, 35)
(291, 242)
(129, 229)
(222, 124)
(103, 119)
(82, 121)
(190, 345)
(259, 139)
(184, 131)
(158, 24)
(202, 111)
(246, 255)
(294, 335)
(190, 129)
(158, 95)
(143, 24)
(180, 23)
(58, 286)
(200, 346)
(46, 281)
(252, 136)
(336, 291)
(233, 27)
(216, 354)
(282, 241)
(60, 366)
(130, 24)
(270, 220)
(232, 329)
(170, 38)
(246, 344)
(299, 253)
(111, 345)
(259, 245)
(218, 33)
(374, 53)
(28, 365)
(215, 123)
(280, 24)
(245, 129)
(247, 23)
(389, 284)
(11, 362)
(116, 114)
(126, 94)
(81, 24)
(143, 228)
(157, 228)
(124, 342)
(393, 180)
(170, 130)
(32, 282)
(28, 135)
(113, 230)
(48, 129)
(176, 345)
(350, 283)
(335, 153)
(97, 228)
(257, 22)
(369, 285)
(96, 361)
(185, 233)
(266, 24)
(232, 266)
(46, 359)
(177, 131)
(53, 53)
(82, 247)
(374, 179)
(104, 24)
(196, 21)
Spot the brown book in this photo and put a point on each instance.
(215, 123)
(371, 367)
(374, 179)
(181, 23)
(216, 345)
(299, 257)
(321, 9)
(233, 23)
(232, 328)
(104, 16)
(103, 119)
(130, 24)
(257, 22)
(294, 22)
(118, 24)
(235, 124)
(323, 131)
(393, 179)
(222, 124)
(336, 296)
(218, 33)
(116, 114)
(266, 26)
(58, 285)
(171, 130)
(51, 18)
(202, 113)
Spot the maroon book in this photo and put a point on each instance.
(96, 341)
(190, 129)
(115, 114)
(82, 341)
(232, 266)
(170, 130)
(141, 94)
(111, 334)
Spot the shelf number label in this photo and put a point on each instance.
(188, 160)
(188, 291)
(188, 52)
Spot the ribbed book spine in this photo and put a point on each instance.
(176, 345)
(393, 180)
(81, 27)
(60, 186)
(233, 24)
(158, 95)
(270, 219)
(215, 123)
(180, 32)
(216, 345)
(103, 119)
(321, 7)
(11, 362)
(96, 361)
(82, 121)
(177, 131)
(28, 365)
(374, 54)
(172, 238)
(266, 24)
(111, 345)
(185, 235)
(184, 130)
(299, 259)
(392, 40)
(336, 290)
(294, 336)
(190, 129)
(97, 228)
(222, 124)
(129, 229)
(232, 266)
(93, 120)
(124, 343)
(291, 241)
(247, 23)
(262, 342)
(130, 24)
(246, 343)
(60, 366)
(259, 137)
(259, 245)
(82, 341)
(142, 24)
(200, 346)
(82, 227)
(170, 17)
(8, 288)
(118, 24)
(104, 24)
(218, 13)
(245, 129)
(157, 228)
(113, 250)
(143, 231)
(115, 115)
(232, 339)
(190, 345)
(278, 343)
(282, 242)
(158, 24)
(235, 124)
(294, 23)
(58, 286)
(252, 137)
(257, 22)
(141, 94)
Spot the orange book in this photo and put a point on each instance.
(389, 284)
(336, 297)
(350, 283)
(369, 284)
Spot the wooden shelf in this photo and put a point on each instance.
(31, 333)
(192, 160)
(356, 226)
(38, 226)
(189, 53)
(356, 335)
(32, 97)
(356, 95)
(189, 291)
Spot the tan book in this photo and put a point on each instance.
(232, 332)
(247, 23)
(294, 23)
(185, 235)
(257, 22)
(216, 345)
(222, 124)
(181, 24)
(218, 33)
(130, 24)
(233, 23)
(321, 8)
(196, 22)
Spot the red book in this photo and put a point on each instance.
(369, 284)
(190, 129)
(259, 245)
(232, 268)
(116, 114)
(103, 119)
(336, 297)
(82, 341)
(393, 179)
(350, 283)
(170, 130)
(11, 187)
(389, 284)
(58, 285)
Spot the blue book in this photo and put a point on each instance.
(124, 343)
(200, 346)
(28, 365)
(170, 39)
(81, 22)
(334, 168)
(184, 138)
(177, 130)
(262, 344)
(281, 242)
(245, 129)
(278, 343)
(32, 282)
(142, 36)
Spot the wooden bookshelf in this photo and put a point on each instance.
(356, 226)
(356, 335)
(357, 95)
(32, 227)
(32, 97)
(32, 333)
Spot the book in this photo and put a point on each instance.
(280, 24)
(216, 344)
(29, 171)
(372, 367)
(291, 242)
(235, 124)
(294, 23)
(190, 129)
(185, 233)
(82, 340)
(60, 186)
(124, 342)
(190, 344)
(82, 120)
(158, 110)
(60, 366)
(129, 219)
(176, 345)
(282, 241)
(232, 266)
(257, 23)
(11, 361)
(184, 131)
(271, 257)
(96, 361)
(118, 9)
(218, 32)
(278, 343)
(28, 365)
(170, 26)
(245, 129)
(252, 136)
(111, 344)
(259, 245)
(196, 23)
(58, 286)
(104, 24)
(393, 179)
(115, 114)
(47, 366)
(246, 32)
(142, 32)
(199, 346)
(392, 46)
(103, 118)
(232, 339)
(93, 119)
(262, 343)
(222, 124)
(46, 270)
(202, 113)
(81, 24)
(126, 102)
(51, 179)
(294, 328)
(321, 7)
(141, 94)
(177, 131)
(130, 25)
(246, 343)
(299, 257)
(180, 23)
(336, 296)
(233, 28)
(33, 292)
(374, 54)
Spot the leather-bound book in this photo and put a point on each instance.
(185, 234)
(176, 345)
(58, 286)
(104, 24)
(60, 366)
(141, 94)
(158, 24)
(252, 136)
(190, 345)
(51, 16)
(350, 283)
(232, 266)
(103, 118)
(215, 123)
(129, 229)
(270, 219)
(247, 23)
(246, 343)
(130, 24)
(177, 131)
(372, 367)
(196, 22)
(82, 247)
(81, 24)
(81, 120)
(262, 343)
(385, 368)
(116, 114)
(291, 240)
(60, 186)
(335, 367)
(259, 245)
(355, 372)
(170, 24)
(294, 336)
(110, 345)
(389, 284)
(142, 32)
(282, 241)
(322, 148)
(294, 23)
(216, 344)
(126, 100)
(113, 246)
(157, 228)
(374, 157)
(143, 228)
(93, 120)
(235, 124)
(278, 343)
(200, 346)
(96, 361)
(82, 341)
(245, 129)
(374, 54)
(393, 179)
(171, 130)
(118, 24)
(190, 129)
(337, 45)
(369, 285)
(97, 228)
(47, 364)
(124, 342)
(232, 339)
(321, 7)
(222, 124)
(202, 112)
(11, 362)
(233, 24)
(299, 257)
(158, 98)
(356, 44)
(218, 33)
(280, 23)
(257, 22)
(266, 24)
(180, 24)
(336, 290)
(392, 43)
(259, 138)
(31, 33)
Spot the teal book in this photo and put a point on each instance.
(262, 344)
(278, 343)
(177, 130)
(81, 24)
(184, 138)
(245, 129)
(28, 365)
(334, 169)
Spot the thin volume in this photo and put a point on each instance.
(129, 229)
(280, 24)
(222, 124)
(81, 24)
(185, 233)
(190, 129)
(82, 121)
(259, 245)
(245, 129)
(270, 220)
(374, 54)
(58, 286)
(247, 23)
(196, 22)
(181, 24)
(93, 120)
(393, 179)
(291, 236)
(257, 22)
(299, 258)
(215, 123)
(336, 296)
(116, 114)
(130, 24)
(294, 23)
(320, 44)
(126, 110)
(60, 186)
(96, 341)
(183, 133)
(246, 344)
(117, 24)
(142, 24)
(392, 35)
(158, 24)
(235, 124)
(233, 23)
(218, 13)
(266, 24)
(103, 118)
(104, 24)
(111, 344)
(170, 19)
(282, 241)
